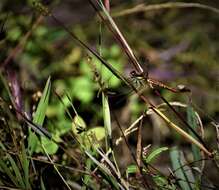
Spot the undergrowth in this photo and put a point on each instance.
(79, 132)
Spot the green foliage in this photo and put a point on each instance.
(42, 184)
(163, 183)
(87, 138)
(149, 158)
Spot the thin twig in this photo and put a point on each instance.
(171, 5)
(139, 145)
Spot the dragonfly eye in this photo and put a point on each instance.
(133, 74)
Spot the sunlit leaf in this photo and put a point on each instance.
(107, 118)
(97, 132)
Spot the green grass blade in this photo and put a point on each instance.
(8, 172)
(182, 172)
(192, 120)
(42, 184)
(5, 84)
(107, 120)
(39, 116)
(65, 182)
(17, 172)
(99, 164)
(154, 154)
(17, 179)
(4, 168)
(87, 178)
(25, 164)
(105, 171)
(131, 169)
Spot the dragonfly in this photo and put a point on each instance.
(142, 78)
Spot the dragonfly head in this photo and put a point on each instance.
(134, 74)
(143, 75)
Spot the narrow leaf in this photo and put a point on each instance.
(39, 116)
(107, 119)
(191, 117)
(154, 154)
(182, 172)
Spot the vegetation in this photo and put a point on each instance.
(109, 95)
